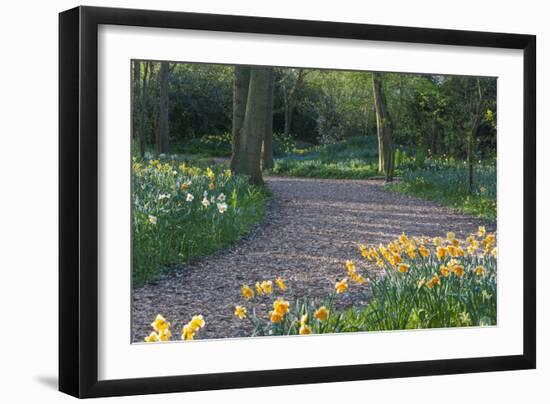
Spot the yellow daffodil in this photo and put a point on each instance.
(350, 266)
(247, 292)
(280, 283)
(437, 241)
(267, 287)
(212, 186)
(444, 270)
(303, 319)
(188, 333)
(471, 250)
(160, 323)
(210, 174)
(494, 252)
(153, 337)
(411, 252)
(305, 330)
(424, 251)
(259, 289)
(240, 312)
(479, 271)
(452, 250)
(403, 239)
(281, 306)
(455, 242)
(441, 253)
(341, 286)
(197, 322)
(450, 236)
(460, 252)
(458, 270)
(364, 251)
(165, 335)
(434, 281)
(491, 238)
(321, 314)
(421, 282)
(481, 231)
(374, 253)
(276, 317)
(357, 278)
(395, 259)
(403, 268)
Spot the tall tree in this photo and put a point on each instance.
(384, 128)
(267, 152)
(163, 133)
(476, 104)
(254, 124)
(291, 85)
(240, 95)
(136, 111)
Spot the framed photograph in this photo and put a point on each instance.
(251, 201)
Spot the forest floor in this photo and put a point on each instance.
(312, 227)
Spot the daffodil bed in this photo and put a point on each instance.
(421, 283)
(181, 212)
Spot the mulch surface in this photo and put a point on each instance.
(312, 227)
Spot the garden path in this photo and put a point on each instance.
(312, 227)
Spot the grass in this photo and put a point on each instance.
(354, 158)
(182, 212)
(220, 145)
(444, 181)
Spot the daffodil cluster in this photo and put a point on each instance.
(176, 205)
(162, 331)
(284, 318)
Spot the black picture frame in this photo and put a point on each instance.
(78, 200)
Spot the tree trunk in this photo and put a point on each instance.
(267, 156)
(477, 110)
(470, 162)
(253, 129)
(143, 122)
(290, 100)
(136, 111)
(434, 136)
(240, 94)
(384, 129)
(164, 122)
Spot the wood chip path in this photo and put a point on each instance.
(312, 227)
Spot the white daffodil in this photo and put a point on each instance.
(221, 197)
(189, 198)
(222, 207)
(152, 219)
(205, 202)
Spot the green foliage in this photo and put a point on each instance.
(208, 145)
(168, 228)
(353, 158)
(444, 181)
